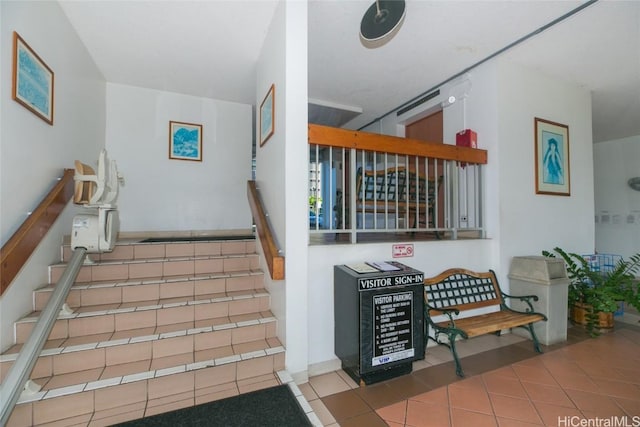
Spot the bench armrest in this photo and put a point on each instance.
(449, 312)
(520, 297)
(446, 311)
(524, 298)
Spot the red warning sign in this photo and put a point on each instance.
(402, 250)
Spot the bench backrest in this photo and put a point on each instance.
(462, 289)
(395, 184)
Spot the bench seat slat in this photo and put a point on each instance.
(492, 322)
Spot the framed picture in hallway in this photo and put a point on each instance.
(267, 116)
(32, 80)
(185, 141)
(552, 158)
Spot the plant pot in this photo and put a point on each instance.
(579, 313)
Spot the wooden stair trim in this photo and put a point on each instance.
(17, 250)
(274, 259)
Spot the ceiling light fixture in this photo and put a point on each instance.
(381, 22)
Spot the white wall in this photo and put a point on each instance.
(297, 184)
(270, 173)
(478, 111)
(281, 173)
(33, 154)
(430, 257)
(531, 222)
(162, 194)
(501, 108)
(614, 163)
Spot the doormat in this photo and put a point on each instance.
(196, 239)
(271, 407)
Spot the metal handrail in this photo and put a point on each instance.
(18, 374)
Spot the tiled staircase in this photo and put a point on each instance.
(155, 327)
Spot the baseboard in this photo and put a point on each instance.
(324, 367)
(300, 377)
(630, 318)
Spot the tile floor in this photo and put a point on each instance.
(506, 384)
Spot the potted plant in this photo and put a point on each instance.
(595, 295)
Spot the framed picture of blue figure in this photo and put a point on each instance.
(32, 80)
(185, 141)
(552, 158)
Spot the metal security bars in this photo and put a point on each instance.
(362, 184)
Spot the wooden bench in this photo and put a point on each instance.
(457, 290)
(397, 190)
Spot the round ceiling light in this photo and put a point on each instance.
(381, 22)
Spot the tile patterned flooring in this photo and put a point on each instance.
(507, 384)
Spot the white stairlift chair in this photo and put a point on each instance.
(97, 230)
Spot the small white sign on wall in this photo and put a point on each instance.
(402, 250)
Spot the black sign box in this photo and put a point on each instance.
(379, 321)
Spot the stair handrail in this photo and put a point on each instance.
(19, 372)
(17, 250)
(272, 254)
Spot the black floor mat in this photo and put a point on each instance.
(271, 407)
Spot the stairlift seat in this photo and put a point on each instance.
(96, 190)
(85, 188)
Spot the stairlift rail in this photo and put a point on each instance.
(18, 374)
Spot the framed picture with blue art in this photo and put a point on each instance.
(32, 80)
(185, 141)
(552, 158)
(267, 116)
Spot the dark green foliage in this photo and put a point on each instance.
(602, 291)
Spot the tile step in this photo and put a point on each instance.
(185, 266)
(128, 250)
(132, 316)
(173, 365)
(158, 390)
(59, 346)
(101, 358)
(100, 293)
(137, 306)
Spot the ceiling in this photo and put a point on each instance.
(210, 49)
